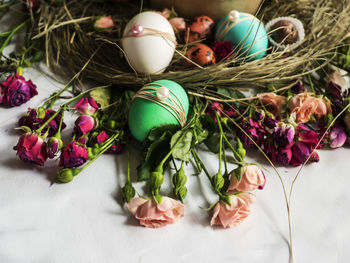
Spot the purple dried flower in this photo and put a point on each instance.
(337, 137)
(223, 50)
(284, 135)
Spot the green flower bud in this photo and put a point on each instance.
(41, 113)
(329, 118)
(218, 182)
(238, 173)
(112, 124)
(128, 192)
(157, 179)
(179, 179)
(240, 151)
(65, 175)
(180, 192)
(20, 71)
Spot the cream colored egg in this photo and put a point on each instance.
(149, 43)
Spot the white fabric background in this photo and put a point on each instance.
(85, 220)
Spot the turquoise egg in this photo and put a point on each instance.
(246, 34)
(145, 114)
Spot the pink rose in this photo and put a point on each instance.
(86, 106)
(231, 215)
(152, 214)
(252, 178)
(73, 155)
(178, 24)
(272, 102)
(303, 105)
(104, 22)
(84, 124)
(31, 148)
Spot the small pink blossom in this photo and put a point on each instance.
(154, 215)
(104, 22)
(178, 24)
(251, 178)
(231, 215)
(337, 137)
(87, 106)
(31, 148)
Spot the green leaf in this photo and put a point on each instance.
(143, 171)
(102, 96)
(199, 133)
(213, 143)
(157, 132)
(234, 94)
(182, 148)
(38, 56)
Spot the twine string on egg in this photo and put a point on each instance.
(140, 31)
(232, 20)
(171, 104)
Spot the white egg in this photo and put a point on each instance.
(149, 43)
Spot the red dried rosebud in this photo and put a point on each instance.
(223, 50)
(214, 107)
(87, 106)
(53, 146)
(284, 156)
(73, 155)
(84, 124)
(178, 24)
(34, 118)
(31, 148)
(116, 148)
(102, 137)
(16, 90)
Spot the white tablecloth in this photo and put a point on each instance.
(85, 220)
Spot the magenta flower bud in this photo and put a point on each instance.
(270, 122)
(84, 124)
(102, 137)
(31, 148)
(334, 90)
(16, 90)
(298, 88)
(53, 146)
(223, 50)
(284, 135)
(284, 156)
(87, 106)
(337, 137)
(255, 131)
(34, 118)
(73, 155)
(300, 153)
(307, 136)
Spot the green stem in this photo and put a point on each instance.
(128, 175)
(8, 39)
(220, 143)
(56, 94)
(104, 148)
(171, 151)
(226, 140)
(311, 84)
(199, 161)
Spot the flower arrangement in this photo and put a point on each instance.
(303, 106)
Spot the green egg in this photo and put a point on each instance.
(144, 114)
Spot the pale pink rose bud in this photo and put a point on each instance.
(178, 24)
(103, 22)
(153, 214)
(87, 106)
(226, 216)
(166, 13)
(322, 108)
(251, 178)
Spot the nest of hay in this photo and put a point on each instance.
(72, 44)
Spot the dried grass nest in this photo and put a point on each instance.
(71, 42)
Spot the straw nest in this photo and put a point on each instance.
(72, 45)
